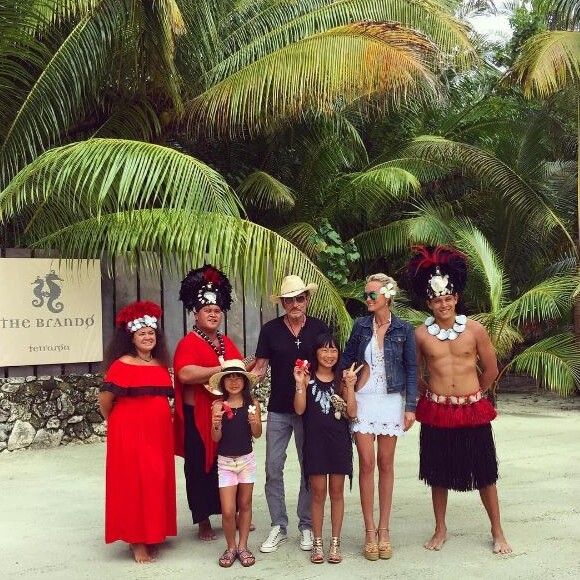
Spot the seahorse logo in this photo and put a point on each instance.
(50, 294)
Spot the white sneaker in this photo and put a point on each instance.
(306, 540)
(273, 541)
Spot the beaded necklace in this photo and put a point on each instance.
(221, 351)
(446, 333)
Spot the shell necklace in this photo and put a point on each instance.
(221, 351)
(446, 333)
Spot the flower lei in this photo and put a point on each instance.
(221, 351)
(446, 333)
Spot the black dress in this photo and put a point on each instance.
(327, 441)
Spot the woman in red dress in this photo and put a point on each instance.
(140, 506)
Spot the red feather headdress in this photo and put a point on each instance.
(138, 315)
(437, 271)
(204, 286)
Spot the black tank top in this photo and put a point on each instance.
(236, 434)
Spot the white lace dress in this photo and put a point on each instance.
(378, 412)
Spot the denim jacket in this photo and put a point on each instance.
(400, 355)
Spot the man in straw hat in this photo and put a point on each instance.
(282, 341)
(457, 449)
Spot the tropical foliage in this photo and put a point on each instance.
(319, 137)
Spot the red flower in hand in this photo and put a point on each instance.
(227, 410)
(302, 364)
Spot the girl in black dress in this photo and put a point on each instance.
(325, 400)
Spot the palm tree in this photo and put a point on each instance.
(97, 89)
(550, 62)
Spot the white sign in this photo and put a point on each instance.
(50, 311)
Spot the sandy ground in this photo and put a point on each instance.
(51, 516)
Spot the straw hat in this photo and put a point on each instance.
(292, 286)
(230, 366)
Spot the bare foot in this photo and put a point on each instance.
(153, 550)
(140, 553)
(501, 546)
(206, 532)
(437, 540)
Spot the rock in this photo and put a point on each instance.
(45, 439)
(18, 412)
(10, 387)
(22, 436)
(2, 446)
(53, 423)
(16, 380)
(75, 419)
(45, 409)
(32, 389)
(82, 430)
(94, 417)
(100, 429)
(36, 422)
(65, 407)
(4, 431)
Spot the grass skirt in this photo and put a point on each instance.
(457, 450)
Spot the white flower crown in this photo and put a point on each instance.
(138, 323)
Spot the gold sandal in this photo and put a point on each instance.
(317, 552)
(371, 549)
(385, 548)
(334, 555)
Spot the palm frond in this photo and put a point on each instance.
(60, 93)
(263, 191)
(318, 73)
(301, 234)
(280, 23)
(548, 61)
(87, 178)
(548, 300)
(187, 238)
(553, 361)
(483, 259)
(494, 175)
(390, 238)
(504, 336)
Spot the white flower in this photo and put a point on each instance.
(388, 290)
(439, 284)
(252, 409)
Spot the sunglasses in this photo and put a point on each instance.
(372, 295)
(301, 298)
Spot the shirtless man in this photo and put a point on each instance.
(457, 450)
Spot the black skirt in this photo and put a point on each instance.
(462, 459)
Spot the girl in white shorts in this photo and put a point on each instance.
(236, 420)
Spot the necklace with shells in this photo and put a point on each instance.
(446, 333)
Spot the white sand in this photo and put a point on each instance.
(51, 515)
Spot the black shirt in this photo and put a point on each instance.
(278, 345)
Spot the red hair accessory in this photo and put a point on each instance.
(139, 315)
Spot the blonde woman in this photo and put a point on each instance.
(386, 402)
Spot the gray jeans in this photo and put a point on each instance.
(278, 432)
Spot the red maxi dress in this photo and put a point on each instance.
(140, 504)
